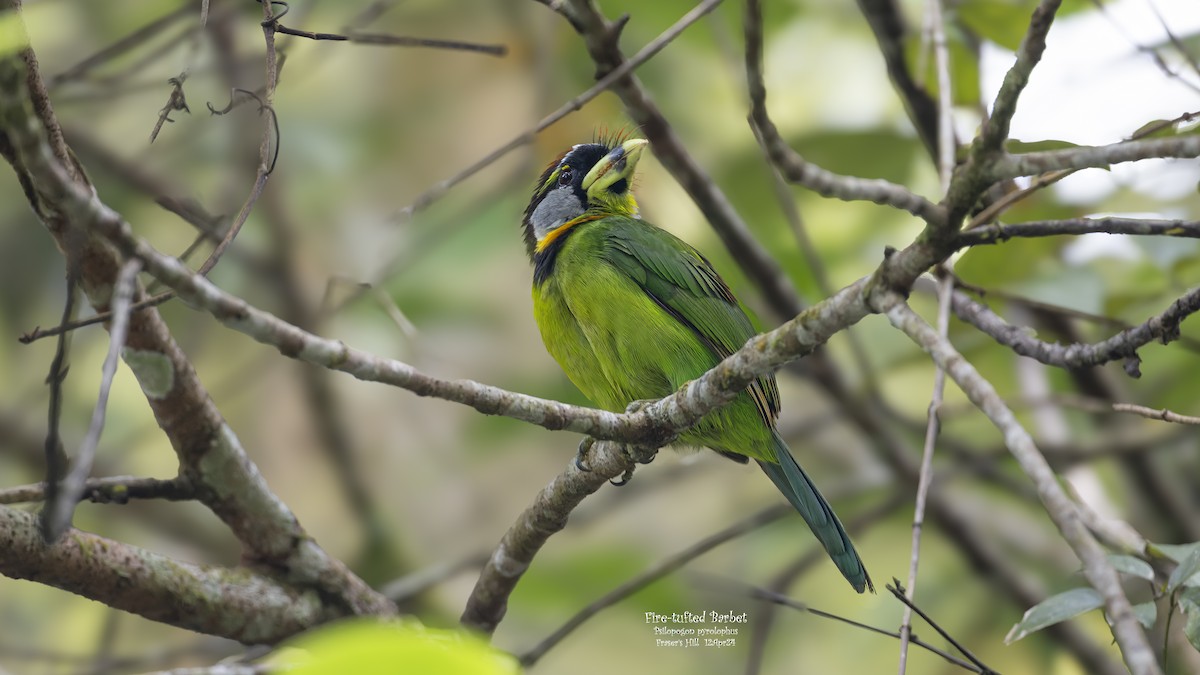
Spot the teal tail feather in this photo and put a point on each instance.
(800, 491)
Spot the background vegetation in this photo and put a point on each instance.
(418, 490)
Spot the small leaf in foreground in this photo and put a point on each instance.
(366, 647)
(1188, 568)
(1127, 564)
(1055, 609)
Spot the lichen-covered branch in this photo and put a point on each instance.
(239, 604)
(1099, 156)
(601, 38)
(209, 452)
(995, 129)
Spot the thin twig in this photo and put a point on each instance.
(1152, 227)
(1124, 345)
(56, 517)
(782, 600)
(116, 49)
(654, 573)
(798, 170)
(903, 594)
(56, 460)
(653, 47)
(108, 490)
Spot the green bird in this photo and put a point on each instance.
(632, 312)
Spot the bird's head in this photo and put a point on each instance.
(588, 179)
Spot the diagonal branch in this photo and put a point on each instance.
(56, 517)
(1099, 571)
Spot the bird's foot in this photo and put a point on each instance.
(638, 454)
(636, 406)
(624, 479)
(581, 455)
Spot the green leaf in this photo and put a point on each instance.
(1005, 22)
(1189, 604)
(1188, 567)
(1127, 564)
(1055, 609)
(1177, 552)
(1017, 147)
(367, 647)
(1146, 613)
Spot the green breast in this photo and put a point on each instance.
(618, 344)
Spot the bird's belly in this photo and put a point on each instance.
(612, 339)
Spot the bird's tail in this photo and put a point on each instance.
(800, 491)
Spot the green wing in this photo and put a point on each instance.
(684, 283)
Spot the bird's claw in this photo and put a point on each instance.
(624, 479)
(581, 454)
(638, 405)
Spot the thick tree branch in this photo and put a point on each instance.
(1100, 574)
(237, 604)
(210, 454)
(609, 80)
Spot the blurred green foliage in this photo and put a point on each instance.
(366, 130)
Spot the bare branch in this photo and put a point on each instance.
(1083, 157)
(56, 517)
(945, 165)
(654, 573)
(116, 49)
(236, 604)
(1029, 53)
(108, 490)
(1134, 646)
(209, 452)
(1000, 232)
(543, 518)
(887, 22)
(1149, 413)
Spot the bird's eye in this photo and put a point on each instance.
(564, 176)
